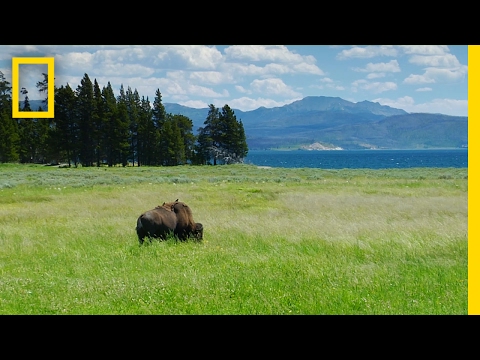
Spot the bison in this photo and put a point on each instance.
(175, 217)
(186, 226)
(156, 223)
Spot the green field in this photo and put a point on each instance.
(276, 241)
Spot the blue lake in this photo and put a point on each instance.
(359, 159)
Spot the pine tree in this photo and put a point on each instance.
(134, 108)
(185, 126)
(121, 131)
(9, 136)
(42, 133)
(85, 108)
(146, 134)
(159, 118)
(110, 110)
(42, 87)
(66, 133)
(209, 136)
(233, 144)
(171, 143)
(98, 118)
(26, 132)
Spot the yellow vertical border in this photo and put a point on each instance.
(16, 62)
(473, 218)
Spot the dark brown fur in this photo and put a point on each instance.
(172, 217)
(186, 226)
(168, 206)
(156, 223)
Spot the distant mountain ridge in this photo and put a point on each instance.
(335, 122)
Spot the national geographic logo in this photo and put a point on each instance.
(16, 62)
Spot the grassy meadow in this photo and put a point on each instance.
(276, 241)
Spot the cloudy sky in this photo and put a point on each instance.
(419, 78)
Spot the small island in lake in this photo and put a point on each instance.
(319, 146)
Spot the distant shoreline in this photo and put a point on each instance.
(393, 149)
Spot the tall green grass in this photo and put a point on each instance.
(276, 241)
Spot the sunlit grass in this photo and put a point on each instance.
(276, 241)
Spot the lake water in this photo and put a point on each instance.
(356, 159)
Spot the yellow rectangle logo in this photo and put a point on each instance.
(16, 62)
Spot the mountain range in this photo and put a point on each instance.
(332, 122)
(320, 122)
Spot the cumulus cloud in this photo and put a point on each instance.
(446, 60)
(326, 80)
(211, 77)
(205, 92)
(375, 87)
(418, 79)
(74, 62)
(280, 60)
(425, 49)
(246, 103)
(375, 75)
(197, 104)
(273, 86)
(188, 57)
(367, 52)
(424, 89)
(391, 66)
(443, 106)
(432, 75)
(241, 89)
(278, 53)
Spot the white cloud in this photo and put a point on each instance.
(124, 69)
(406, 103)
(418, 79)
(425, 49)
(375, 75)
(278, 57)
(367, 52)
(278, 53)
(446, 60)
(432, 75)
(326, 80)
(275, 69)
(443, 106)
(74, 63)
(424, 89)
(197, 90)
(197, 104)
(375, 87)
(273, 86)
(211, 77)
(242, 89)
(307, 69)
(391, 66)
(188, 57)
(246, 103)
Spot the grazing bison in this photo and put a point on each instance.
(168, 206)
(174, 217)
(186, 226)
(156, 223)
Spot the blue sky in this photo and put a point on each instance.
(416, 78)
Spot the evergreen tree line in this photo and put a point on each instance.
(92, 127)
